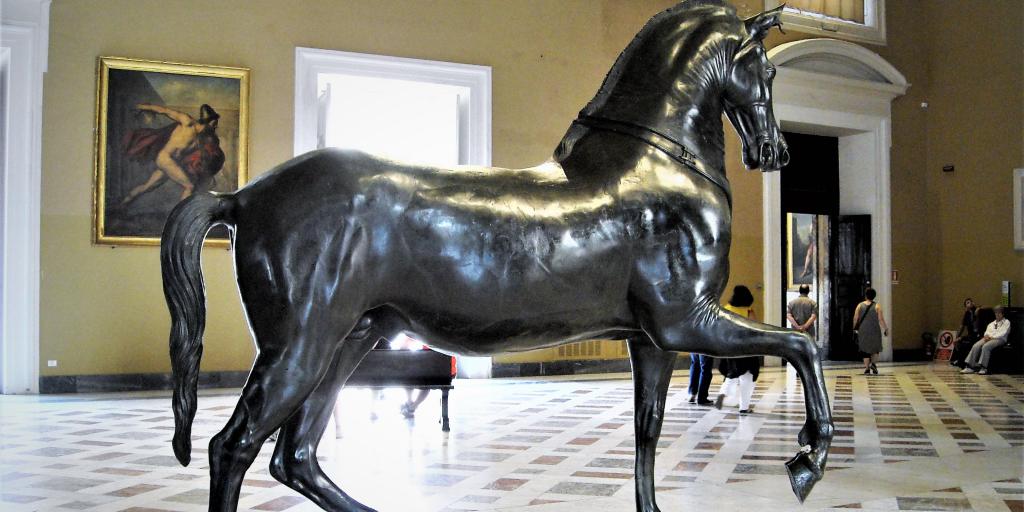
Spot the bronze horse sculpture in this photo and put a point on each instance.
(623, 234)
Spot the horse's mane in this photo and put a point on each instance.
(677, 11)
(677, 15)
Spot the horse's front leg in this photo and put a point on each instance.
(721, 334)
(652, 370)
(807, 467)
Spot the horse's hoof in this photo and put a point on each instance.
(803, 474)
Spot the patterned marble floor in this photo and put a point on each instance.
(916, 437)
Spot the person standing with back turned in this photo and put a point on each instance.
(869, 327)
(802, 311)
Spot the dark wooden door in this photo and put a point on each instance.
(850, 255)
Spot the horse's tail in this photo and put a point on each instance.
(180, 250)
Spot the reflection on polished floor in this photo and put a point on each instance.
(916, 437)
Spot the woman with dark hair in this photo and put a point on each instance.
(740, 371)
(967, 335)
(869, 327)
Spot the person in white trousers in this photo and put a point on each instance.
(740, 371)
(996, 335)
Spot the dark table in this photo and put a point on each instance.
(416, 369)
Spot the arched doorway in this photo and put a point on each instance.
(837, 89)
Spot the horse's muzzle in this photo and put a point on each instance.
(772, 157)
(767, 154)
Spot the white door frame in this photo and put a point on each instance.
(311, 62)
(24, 36)
(836, 88)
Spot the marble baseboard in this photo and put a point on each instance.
(132, 382)
(160, 381)
(499, 370)
(912, 354)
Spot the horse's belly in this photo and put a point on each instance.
(486, 309)
(514, 335)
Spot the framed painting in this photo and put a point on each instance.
(164, 130)
(1018, 209)
(801, 244)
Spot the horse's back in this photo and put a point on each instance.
(496, 249)
(520, 254)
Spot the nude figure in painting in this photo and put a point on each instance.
(186, 151)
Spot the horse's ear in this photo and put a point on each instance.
(758, 26)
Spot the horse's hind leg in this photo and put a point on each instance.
(294, 357)
(295, 463)
(723, 334)
(652, 371)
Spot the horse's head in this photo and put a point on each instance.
(748, 97)
(688, 64)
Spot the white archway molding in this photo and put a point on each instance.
(839, 58)
(839, 89)
(24, 36)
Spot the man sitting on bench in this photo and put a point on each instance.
(996, 335)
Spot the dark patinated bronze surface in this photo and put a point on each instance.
(623, 234)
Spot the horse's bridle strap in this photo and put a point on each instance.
(665, 144)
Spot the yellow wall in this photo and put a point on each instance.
(973, 121)
(102, 309)
(912, 210)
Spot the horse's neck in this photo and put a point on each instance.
(688, 112)
(698, 129)
(667, 81)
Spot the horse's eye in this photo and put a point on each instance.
(770, 71)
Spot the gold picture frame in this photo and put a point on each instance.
(801, 260)
(1018, 209)
(162, 128)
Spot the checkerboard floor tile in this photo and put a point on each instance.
(916, 437)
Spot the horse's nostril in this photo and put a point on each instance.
(767, 154)
(784, 158)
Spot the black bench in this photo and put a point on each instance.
(415, 369)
